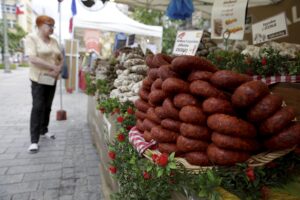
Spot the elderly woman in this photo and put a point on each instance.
(45, 60)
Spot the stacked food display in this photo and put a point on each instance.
(210, 116)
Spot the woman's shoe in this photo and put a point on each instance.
(33, 148)
(50, 136)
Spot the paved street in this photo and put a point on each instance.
(64, 169)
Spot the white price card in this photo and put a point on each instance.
(187, 42)
(228, 16)
(270, 29)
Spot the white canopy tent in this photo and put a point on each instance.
(110, 18)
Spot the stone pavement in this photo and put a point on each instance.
(64, 169)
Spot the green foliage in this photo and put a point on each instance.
(102, 87)
(148, 16)
(14, 38)
(208, 183)
(269, 63)
(90, 84)
(154, 17)
(11, 66)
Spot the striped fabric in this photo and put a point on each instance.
(278, 79)
(138, 142)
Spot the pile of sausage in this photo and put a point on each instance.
(210, 116)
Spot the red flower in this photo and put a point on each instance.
(130, 111)
(113, 169)
(120, 119)
(263, 61)
(250, 174)
(128, 127)
(102, 110)
(162, 160)
(154, 157)
(146, 175)
(112, 155)
(121, 137)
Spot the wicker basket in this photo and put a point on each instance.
(254, 161)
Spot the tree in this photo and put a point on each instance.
(155, 17)
(14, 37)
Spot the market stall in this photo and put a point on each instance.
(215, 120)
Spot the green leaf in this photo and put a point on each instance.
(172, 165)
(171, 157)
(210, 176)
(160, 173)
(149, 168)
(202, 193)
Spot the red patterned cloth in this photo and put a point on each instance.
(278, 79)
(138, 142)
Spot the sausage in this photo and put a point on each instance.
(175, 85)
(160, 59)
(249, 93)
(182, 99)
(168, 148)
(228, 79)
(147, 82)
(234, 143)
(140, 115)
(286, 139)
(144, 94)
(142, 105)
(278, 121)
(195, 131)
(264, 108)
(187, 145)
(199, 75)
(156, 85)
(152, 116)
(147, 136)
(160, 112)
(162, 135)
(148, 124)
(197, 158)
(139, 125)
(156, 97)
(152, 73)
(190, 63)
(149, 61)
(205, 89)
(171, 124)
(231, 125)
(219, 156)
(214, 105)
(170, 110)
(165, 72)
(193, 115)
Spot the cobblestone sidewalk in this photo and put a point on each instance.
(63, 169)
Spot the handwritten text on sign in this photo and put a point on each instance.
(187, 42)
(269, 29)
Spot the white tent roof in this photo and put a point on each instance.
(110, 18)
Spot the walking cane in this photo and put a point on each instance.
(60, 114)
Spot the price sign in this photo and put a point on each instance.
(228, 16)
(270, 29)
(187, 42)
